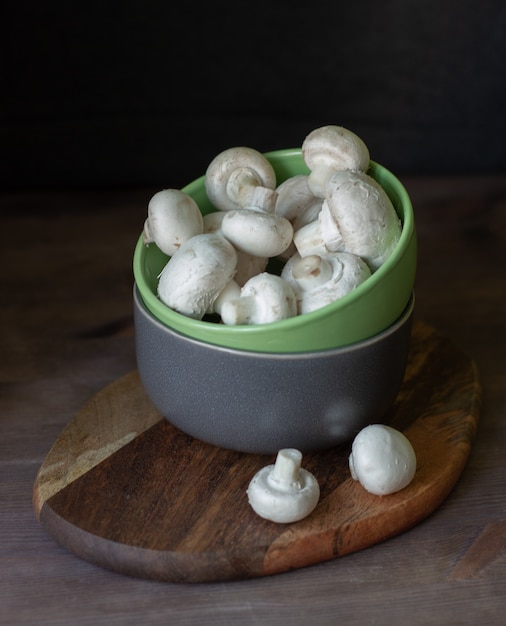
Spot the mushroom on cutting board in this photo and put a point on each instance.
(173, 217)
(382, 459)
(284, 492)
(241, 177)
(357, 216)
(264, 298)
(331, 148)
(318, 281)
(196, 274)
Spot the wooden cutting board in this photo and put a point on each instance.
(124, 489)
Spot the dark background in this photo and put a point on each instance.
(102, 94)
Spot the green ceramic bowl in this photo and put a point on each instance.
(371, 308)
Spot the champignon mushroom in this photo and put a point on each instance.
(357, 216)
(241, 177)
(196, 274)
(248, 265)
(173, 217)
(318, 281)
(264, 298)
(331, 148)
(257, 232)
(284, 492)
(382, 459)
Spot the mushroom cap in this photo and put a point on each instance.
(357, 216)
(366, 217)
(330, 148)
(257, 233)
(225, 172)
(196, 274)
(173, 217)
(318, 281)
(382, 459)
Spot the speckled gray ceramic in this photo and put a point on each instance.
(262, 402)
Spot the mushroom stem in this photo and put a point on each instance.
(239, 310)
(245, 187)
(240, 178)
(229, 291)
(311, 271)
(321, 236)
(286, 470)
(284, 492)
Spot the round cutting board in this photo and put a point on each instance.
(124, 489)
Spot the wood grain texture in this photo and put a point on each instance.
(490, 546)
(94, 437)
(126, 490)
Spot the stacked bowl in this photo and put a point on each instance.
(308, 382)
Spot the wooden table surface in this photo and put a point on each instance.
(66, 333)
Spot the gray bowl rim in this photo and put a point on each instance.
(378, 338)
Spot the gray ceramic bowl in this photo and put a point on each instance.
(262, 402)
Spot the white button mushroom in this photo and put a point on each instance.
(196, 274)
(241, 177)
(382, 459)
(241, 181)
(264, 298)
(318, 281)
(257, 232)
(248, 265)
(357, 216)
(331, 148)
(173, 217)
(284, 492)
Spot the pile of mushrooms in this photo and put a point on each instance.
(331, 229)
